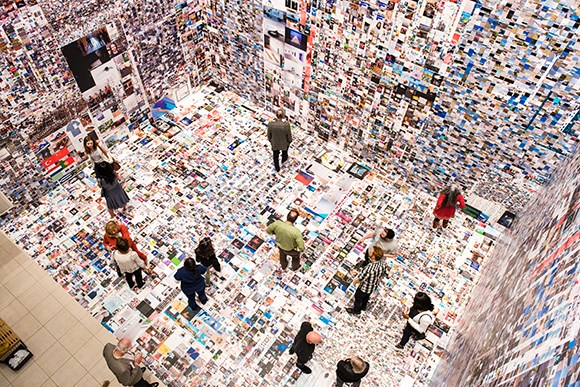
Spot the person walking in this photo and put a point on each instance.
(124, 365)
(280, 137)
(369, 280)
(383, 238)
(129, 263)
(351, 371)
(113, 230)
(304, 344)
(111, 188)
(448, 199)
(288, 239)
(192, 283)
(419, 317)
(205, 254)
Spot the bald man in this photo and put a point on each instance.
(304, 345)
(280, 137)
(124, 365)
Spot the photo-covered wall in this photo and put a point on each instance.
(486, 94)
(483, 93)
(522, 325)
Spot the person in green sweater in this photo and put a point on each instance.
(288, 239)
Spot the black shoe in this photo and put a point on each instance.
(352, 311)
(154, 384)
(291, 351)
(304, 368)
(399, 347)
(194, 311)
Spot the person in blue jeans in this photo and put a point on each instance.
(192, 279)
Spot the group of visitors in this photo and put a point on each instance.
(195, 276)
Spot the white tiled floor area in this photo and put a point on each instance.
(66, 341)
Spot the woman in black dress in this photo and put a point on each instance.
(112, 190)
(205, 254)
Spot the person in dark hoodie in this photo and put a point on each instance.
(351, 371)
(192, 282)
(304, 345)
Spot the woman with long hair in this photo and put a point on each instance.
(96, 152)
(449, 197)
(111, 188)
(192, 282)
(205, 254)
(419, 317)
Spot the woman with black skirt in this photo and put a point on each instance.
(111, 188)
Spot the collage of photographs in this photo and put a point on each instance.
(389, 101)
(209, 174)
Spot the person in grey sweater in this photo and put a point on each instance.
(280, 137)
(124, 365)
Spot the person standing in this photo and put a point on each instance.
(205, 254)
(369, 280)
(419, 317)
(351, 371)
(192, 282)
(113, 230)
(288, 239)
(129, 263)
(111, 188)
(280, 137)
(96, 152)
(448, 199)
(383, 238)
(124, 365)
(304, 344)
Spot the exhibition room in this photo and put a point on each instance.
(429, 171)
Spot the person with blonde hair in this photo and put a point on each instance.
(352, 371)
(368, 280)
(113, 230)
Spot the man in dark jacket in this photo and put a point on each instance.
(351, 371)
(280, 137)
(303, 346)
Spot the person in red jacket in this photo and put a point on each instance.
(114, 230)
(445, 208)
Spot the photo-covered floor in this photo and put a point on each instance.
(212, 174)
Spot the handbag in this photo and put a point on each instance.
(116, 165)
(418, 336)
(115, 265)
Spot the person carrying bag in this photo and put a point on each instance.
(419, 318)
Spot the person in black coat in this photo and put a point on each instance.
(192, 282)
(351, 371)
(304, 345)
(205, 254)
